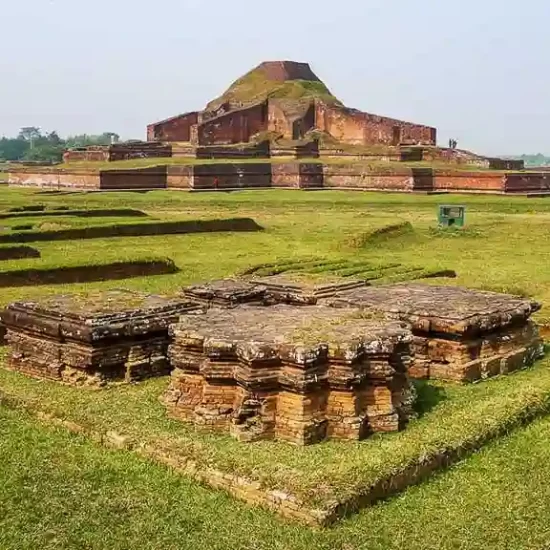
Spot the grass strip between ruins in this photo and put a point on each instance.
(316, 484)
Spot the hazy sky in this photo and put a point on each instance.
(478, 70)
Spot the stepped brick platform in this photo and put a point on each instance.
(226, 293)
(459, 334)
(116, 336)
(294, 290)
(299, 374)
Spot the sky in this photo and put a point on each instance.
(475, 69)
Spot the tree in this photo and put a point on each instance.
(45, 152)
(13, 148)
(54, 138)
(28, 133)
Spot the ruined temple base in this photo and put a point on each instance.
(299, 291)
(459, 334)
(116, 336)
(298, 374)
(226, 293)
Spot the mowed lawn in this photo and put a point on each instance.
(63, 491)
(505, 247)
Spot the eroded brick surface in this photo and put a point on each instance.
(300, 374)
(91, 340)
(459, 334)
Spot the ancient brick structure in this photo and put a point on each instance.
(296, 290)
(177, 128)
(285, 99)
(227, 293)
(460, 334)
(300, 374)
(358, 128)
(117, 336)
(277, 289)
(292, 175)
(237, 126)
(118, 151)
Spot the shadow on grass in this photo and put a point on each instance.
(137, 230)
(88, 273)
(429, 397)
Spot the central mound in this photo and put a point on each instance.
(273, 79)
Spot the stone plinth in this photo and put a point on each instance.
(459, 334)
(117, 336)
(299, 291)
(226, 293)
(300, 374)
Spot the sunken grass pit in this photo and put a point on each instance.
(312, 236)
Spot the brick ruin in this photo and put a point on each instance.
(116, 336)
(118, 151)
(229, 120)
(286, 175)
(292, 373)
(283, 110)
(459, 334)
(272, 358)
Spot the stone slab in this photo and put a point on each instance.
(226, 293)
(442, 309)
(94, 317)
(460, 335)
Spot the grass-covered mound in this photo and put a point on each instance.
(258, 85)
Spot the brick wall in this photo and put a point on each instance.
(119, 151)
(260, 150)
(278, 123)
(232, 176)
(79, 179)
(287, 70)
(178, 128)
(179, 177)
(128, 151)
(142, 178)
(234, 127)
(480, 182)
(527, 183)
(359, 177)
(88, 154)
(358, 128)
(506, 164)
(286, 175)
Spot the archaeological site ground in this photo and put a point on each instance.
(270, 369)
(208, 341)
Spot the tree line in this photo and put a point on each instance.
(31, 144)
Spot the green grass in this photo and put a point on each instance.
(453, 418)
(504, 247)
(61, 491)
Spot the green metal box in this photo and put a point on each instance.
(452, 216)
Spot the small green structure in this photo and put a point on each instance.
(451, 215)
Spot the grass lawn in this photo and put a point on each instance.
(504, 247)
(60, 491)
(454, 419)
